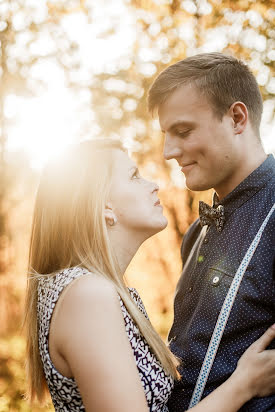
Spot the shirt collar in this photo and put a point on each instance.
(248, 187)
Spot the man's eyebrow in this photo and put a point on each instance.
(177, 124)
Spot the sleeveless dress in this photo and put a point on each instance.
(64, 392)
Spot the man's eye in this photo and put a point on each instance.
(183, 133)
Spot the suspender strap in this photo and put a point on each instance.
(224, 315)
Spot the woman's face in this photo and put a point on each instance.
(134, 200)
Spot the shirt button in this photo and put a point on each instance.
(190, 289)
(216, 280)
(205, 240)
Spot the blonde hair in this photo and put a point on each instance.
(69, 229)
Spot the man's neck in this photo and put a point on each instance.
(246, 167)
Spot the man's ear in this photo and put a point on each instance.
(110, 216)
(239, 114)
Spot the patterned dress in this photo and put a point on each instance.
(64, 391)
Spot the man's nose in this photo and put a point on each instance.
(171, 149)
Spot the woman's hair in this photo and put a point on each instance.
(69, 229)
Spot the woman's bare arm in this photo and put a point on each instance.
(89, 332)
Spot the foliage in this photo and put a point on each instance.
(24, 27)
(12, 377)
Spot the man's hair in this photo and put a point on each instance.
(222, 79)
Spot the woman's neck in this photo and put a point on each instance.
(125, 246)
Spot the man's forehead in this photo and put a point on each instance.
(181, 106)
(184, 95)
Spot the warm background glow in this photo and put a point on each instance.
(77, 69)
(57, 116)
(45, 124)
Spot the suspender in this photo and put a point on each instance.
(224, 315)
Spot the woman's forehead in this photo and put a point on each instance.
(123, 161)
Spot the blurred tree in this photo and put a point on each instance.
(30, 36)
(31, 39)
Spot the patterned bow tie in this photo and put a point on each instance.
(210, 215)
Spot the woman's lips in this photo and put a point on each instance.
(187, 167)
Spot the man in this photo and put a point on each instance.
(209, 109)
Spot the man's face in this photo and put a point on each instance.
(203, 145)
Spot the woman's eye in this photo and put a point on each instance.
(135, 175)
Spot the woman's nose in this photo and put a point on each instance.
(155, 187)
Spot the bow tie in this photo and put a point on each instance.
(211, 215)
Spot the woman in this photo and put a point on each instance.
(93, 211)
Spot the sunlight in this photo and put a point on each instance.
(44, 125)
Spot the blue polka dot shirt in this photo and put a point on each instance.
(210, 261)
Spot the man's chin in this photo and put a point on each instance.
(197, 186)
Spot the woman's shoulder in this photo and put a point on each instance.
(76, 286)
(85, 305)
(91, 288)
(77, 275)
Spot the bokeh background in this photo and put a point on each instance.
(77, 69)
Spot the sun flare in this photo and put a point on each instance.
(43, 127)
